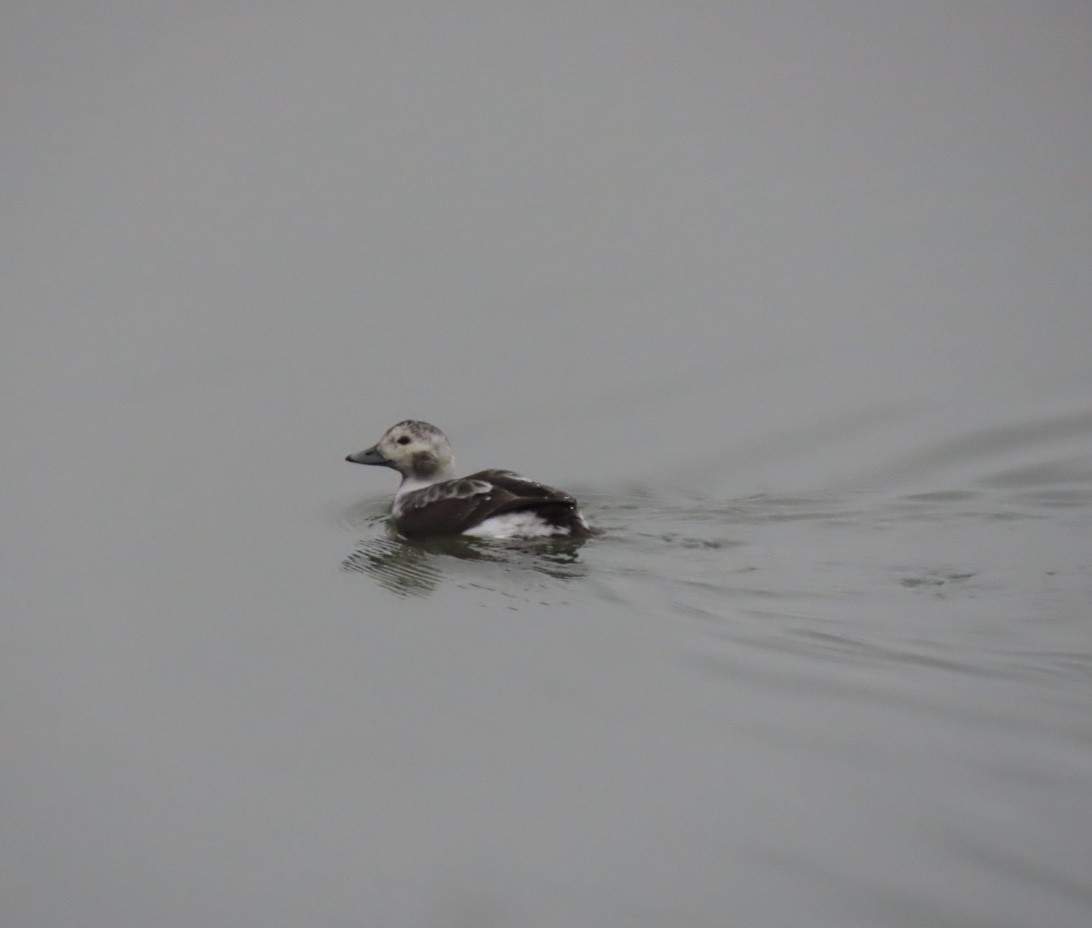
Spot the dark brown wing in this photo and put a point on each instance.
(453, 506)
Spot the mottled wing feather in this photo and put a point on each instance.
(520, 486)
(445, 508)
(460, 489)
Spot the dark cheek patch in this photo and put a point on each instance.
(424, 464)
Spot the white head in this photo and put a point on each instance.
(420, 452)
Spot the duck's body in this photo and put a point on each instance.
(487, 504)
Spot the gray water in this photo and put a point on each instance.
(795, 298)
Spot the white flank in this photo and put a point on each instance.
(514, 525)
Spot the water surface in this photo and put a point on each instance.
(797, 306)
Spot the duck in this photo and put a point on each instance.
(433, 501)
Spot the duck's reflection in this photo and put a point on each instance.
(417, 567)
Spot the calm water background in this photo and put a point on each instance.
(795, 297)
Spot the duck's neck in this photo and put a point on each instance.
(412, 482)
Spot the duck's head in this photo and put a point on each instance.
(418, 451)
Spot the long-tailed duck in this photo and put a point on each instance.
(488, 504)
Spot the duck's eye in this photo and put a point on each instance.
(404, 440)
